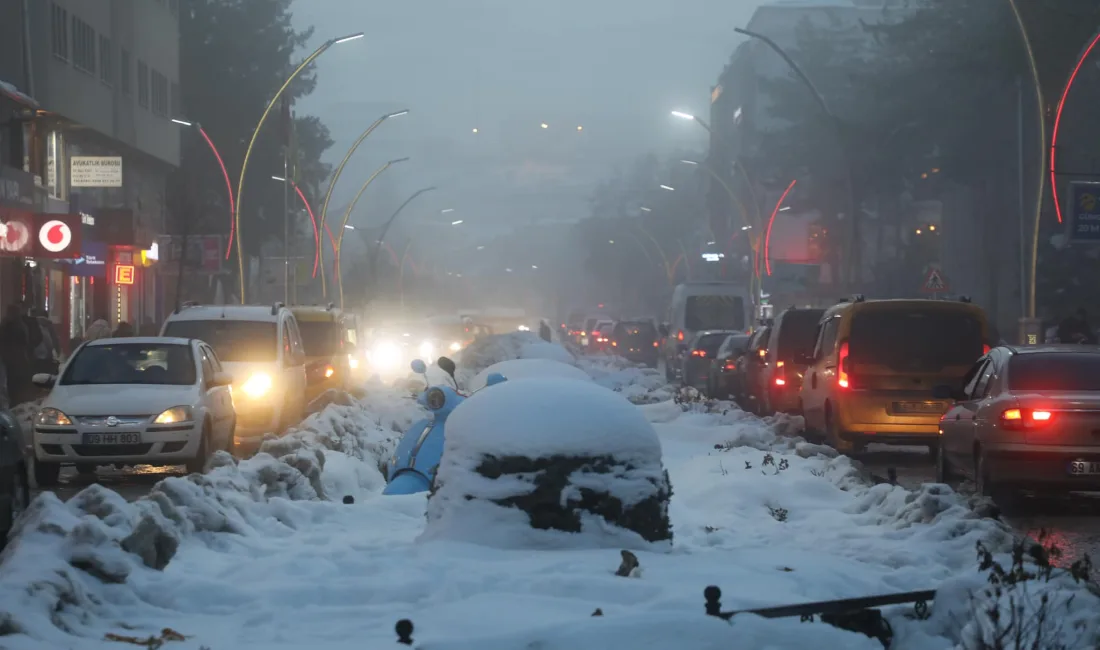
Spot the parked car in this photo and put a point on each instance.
(134, 400)
(875, 363)
(261, 347)
(750, 368)
(1024, 417)
(723, 376)
(636, 341)
(700, 351)
(601, 343)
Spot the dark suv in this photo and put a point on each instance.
(636, 341)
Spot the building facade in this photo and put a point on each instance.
(96, 82)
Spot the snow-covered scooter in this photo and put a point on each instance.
(413, 466)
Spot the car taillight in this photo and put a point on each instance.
(614, 344)
(730, 365)
(654, 344)
(780, 378)
(763, 353)
(842, 378)
(699, 353)
(680, 335)
(1016, 419)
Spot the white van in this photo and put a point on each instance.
(700, 306)
(261, 348)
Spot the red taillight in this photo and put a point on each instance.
(780, 379)
(1016, 419)
(985, 350)
(699, 353)
(842, 378)
(731, 365)
(654, 344)
(680, 335)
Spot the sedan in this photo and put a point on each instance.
(1024, 418)
(130, 401)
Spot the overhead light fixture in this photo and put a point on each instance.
(455, 223)
(350, 37)
(446, 211)
(182, 123)
(645, 209)
(545, 125)
(689, 162)
(682, 115)
(666, 187)
(349, 226)
(278, 178)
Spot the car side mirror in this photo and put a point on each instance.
(221, 379)
(44, 380)
(944, 391)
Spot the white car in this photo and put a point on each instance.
(262, 348)
(136, 400)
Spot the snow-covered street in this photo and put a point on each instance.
(270, 553)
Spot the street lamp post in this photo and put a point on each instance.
(225, 174)
(256, 133)
(855, 255)
(344, 223)
(386, 227)
(340, 170)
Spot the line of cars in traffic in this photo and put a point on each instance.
(918, 372)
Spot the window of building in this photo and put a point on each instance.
(83, 46)
(143, 84)
(106, 61)
(177, 101)
(124, 71)
(159, 85)
(59, 31)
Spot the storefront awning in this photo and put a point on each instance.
(11, 92)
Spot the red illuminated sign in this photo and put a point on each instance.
(124, 274)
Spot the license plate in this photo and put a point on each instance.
(112, 438)
(919, 407)
(584, 340)
(1084, 468)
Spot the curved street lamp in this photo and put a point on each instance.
(340, 170)
(256, 133)
(386, 227)
(344, 223)
(225, 173)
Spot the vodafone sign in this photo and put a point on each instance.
(57, 236)
(16, 227)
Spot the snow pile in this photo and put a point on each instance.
(517, 369)
(637, 383)
(61, 555)
(484, 352)
(550, 463)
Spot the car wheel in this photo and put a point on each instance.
(944, 474)
(46, 474)
(86, 470)
(1001, 495)
(197, 464)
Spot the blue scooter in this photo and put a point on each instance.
(416, 460)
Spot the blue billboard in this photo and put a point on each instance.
(92, 262)
(1084, 212)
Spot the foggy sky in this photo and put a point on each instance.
(615, 67)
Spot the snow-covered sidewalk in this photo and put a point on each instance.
(266, 554)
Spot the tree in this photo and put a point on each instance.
(234, 56)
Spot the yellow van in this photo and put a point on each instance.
(329, 353)
(875, 363)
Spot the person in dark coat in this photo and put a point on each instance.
(14, 352)
(1076, 329)
(124, 329)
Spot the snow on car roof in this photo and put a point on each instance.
(260, 313)
(142, 340)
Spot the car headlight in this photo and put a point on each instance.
(52, 417)
(524, 328)
(456, 346)
(427, 350)
(386, 355)
(353, 363)
(436, 398)
(175, 415)
(258, 385)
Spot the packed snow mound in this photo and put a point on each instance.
(484, 352)
(637, 383)
(549, 463)
(518, 369)
(60, 555)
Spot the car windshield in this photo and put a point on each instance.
(132, 363)
(798, 333)
(924, 340)
(232, 340)
(714, 312)
(711, 342)
(320, 338)
(1059, 371)
(639, 332)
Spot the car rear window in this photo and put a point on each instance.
(710, 343)
(798, 333)
(738, 344)
(636, 331)
(915, 340)
(714, 312)
(232, 340)
(1063, 371)
(320, 338)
